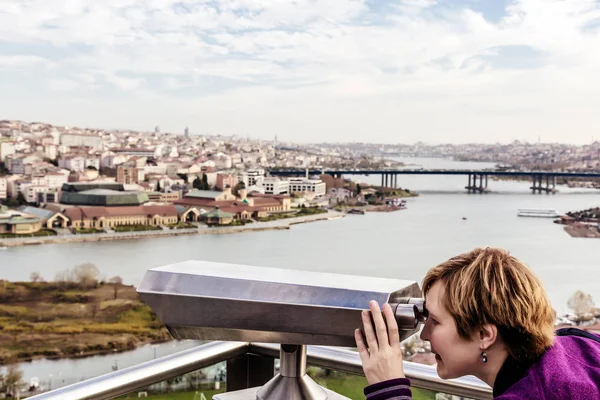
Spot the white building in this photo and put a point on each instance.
(21, 164)
(79, 163)
(77, 140)
(51, 151)
(252, 177)
(3, 189)
(316, 186)
(275, 186)
(6, 149)
(56, 179)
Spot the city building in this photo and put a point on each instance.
(81, 140)
(16, 222)
(300, 185)
(110, 217)
(106, 195)
(252, 177)
(49, 195)
(226, 180)
(129, 175)
(275, 186)
(6, 149)
(3, 188)
(79, 163)
(160, 197)
(133, 152)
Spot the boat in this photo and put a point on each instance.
(356, 212)
(538, 212)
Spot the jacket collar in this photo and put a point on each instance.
(511, 372)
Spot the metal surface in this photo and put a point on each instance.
(142, 375)
(252, 394)
(214, 301)
(292, 381)
(127, 380)
(421, 376)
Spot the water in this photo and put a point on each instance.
(403, 244)
(53, 374)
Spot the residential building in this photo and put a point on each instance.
(79, 140)
(226, 180)
(160, 197)
(6, 149)
(129, 175)
(3, 188)
(79, 163)
(134, 152)
(51, 151)
(316, 186)
(56, 179)
(22, 164)
(252, 177)
(50, 195)
(275, 186)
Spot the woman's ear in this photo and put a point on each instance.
(488, 335)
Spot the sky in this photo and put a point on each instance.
(388, 71)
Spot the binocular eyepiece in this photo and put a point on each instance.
(410, 314)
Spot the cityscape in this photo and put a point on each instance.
(299, 199)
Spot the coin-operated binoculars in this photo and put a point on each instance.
(214, 301)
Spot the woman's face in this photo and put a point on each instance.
(455, 356)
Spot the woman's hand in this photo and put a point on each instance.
(382, 360)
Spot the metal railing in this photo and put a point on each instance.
(142, 375)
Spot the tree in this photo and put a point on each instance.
(197, 184)
(238, 187)
(21, 199)
(158, 188)
(86, 275)
(35, 277)
(116, 281)
(13, 379)
(184, 177)
(581, 303)
(205, 185)
(358, 188)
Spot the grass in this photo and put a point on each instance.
(40, 233)
(351, 386)
(86, 231)
(182, 225)
(302, 212)
(208, 394)
(136, 228)
(62, 320)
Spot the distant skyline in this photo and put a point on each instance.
(388, 71)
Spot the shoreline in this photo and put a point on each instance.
(283, 224)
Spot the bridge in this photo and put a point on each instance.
(477, 179)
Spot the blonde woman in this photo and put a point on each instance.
(489, 317)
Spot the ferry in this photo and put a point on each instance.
(538, 212)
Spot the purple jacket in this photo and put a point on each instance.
(570, 369)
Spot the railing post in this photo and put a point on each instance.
(249, 371)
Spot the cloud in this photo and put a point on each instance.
(21, 61)
(440, 69)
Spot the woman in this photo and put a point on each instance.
(488, 317)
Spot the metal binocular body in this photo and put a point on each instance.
(215, 301)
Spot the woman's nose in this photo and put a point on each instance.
(425, 331)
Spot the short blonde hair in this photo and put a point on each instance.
(489, 286)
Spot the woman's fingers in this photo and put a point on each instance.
(360, 345)
(392, 325)
(380, 328)
(369, 332)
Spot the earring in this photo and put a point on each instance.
(484, 357)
